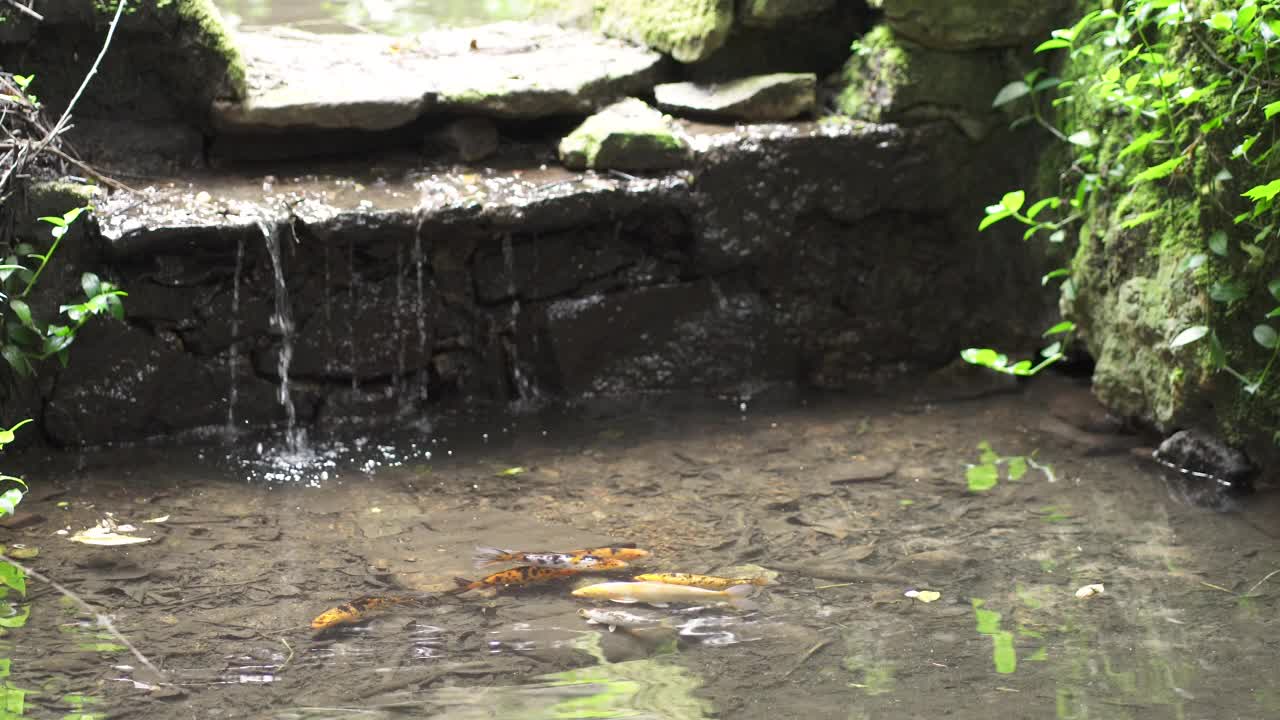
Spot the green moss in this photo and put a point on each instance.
(209, 32)
(690, 30)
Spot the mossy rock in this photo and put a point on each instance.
(970, 24)
(688, 30)
(767, 13)
(889, 78)
(628, 135)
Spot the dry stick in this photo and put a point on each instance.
(102, 620)
(24, 9)
(1268, 577)
(66, 114)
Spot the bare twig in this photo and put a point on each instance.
(1257, 584)
(103, 621)
(26, 10)
(66, 114)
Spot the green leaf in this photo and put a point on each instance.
(10, 575)
(9, 500)
(1188, 336)
(1273, 287)
(1227, 291)
(1265, 335)
(53, 220)
(1083, 138)
(1195, 261)
(982, 477)
(1054, 274)
(1260, 193)
(1140, 143)
(1052, 202)
(1010, 92)
(1270, 109)
(1017, 468)
(1013, 201)
(1139, 219)
(91, 284)
(1218, 243)
(18, 620)
(1054, 44)
(1156, 172)
(22, 311)
(993, 218)
(16, 359)
(1220, 21)
(1065, 326)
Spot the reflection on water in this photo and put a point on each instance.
(225, 593)
(383, 15)
(654, 689)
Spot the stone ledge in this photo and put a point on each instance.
(378, 82)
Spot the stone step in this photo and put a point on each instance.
(300, 80)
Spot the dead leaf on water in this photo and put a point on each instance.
(22, 552)
(510, 472)
(162, 518)
(1089, 591)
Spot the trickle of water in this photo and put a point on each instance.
(283, 320)
(233, 352)
(353, 294)
(420, 307)
(397, 324)
(527, 393)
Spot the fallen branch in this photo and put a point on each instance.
(25, 10)
(103, 621)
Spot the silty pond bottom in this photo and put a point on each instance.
(853, 502)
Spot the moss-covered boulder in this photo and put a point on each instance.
(688, 30)
(767, 13)
(891, 78)
(628, 135)
(778, 96)
(968, 24)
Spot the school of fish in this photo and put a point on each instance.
(532, 567)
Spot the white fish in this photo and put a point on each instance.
(623, 619)
(659, 594)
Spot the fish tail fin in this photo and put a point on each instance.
(463, 585)
(740, 596)
(486, 556)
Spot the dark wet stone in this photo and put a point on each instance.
(960, 380)
(472, 138)
(1197, 452)
(1078, 407)
(964, 24)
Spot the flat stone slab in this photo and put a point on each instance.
(778, 96)
(378, 82)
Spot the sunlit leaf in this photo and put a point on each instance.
(1218, 243)
(982, 477)
(1260, 193)
(1010, 92)
(12, 577)
(510, 472)
(1083, 138)
(1054, 44)
(1013, 201)
(1156, 172)
(1065, 326)
(1188, 336)
(1140, 143)
(1017, 468)
(1265, 335)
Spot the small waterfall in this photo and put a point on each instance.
(397, 326)
(420, 310)
(233, 351)
(527, 394)
(282, 320)
(353, 294)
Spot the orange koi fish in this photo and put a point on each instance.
(358, 610)
(486, 556)
(517, 576)
(706, 582)
(628, 553)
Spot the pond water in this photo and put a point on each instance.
(851, 501)
(389, 16)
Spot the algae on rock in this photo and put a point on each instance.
(627, 135)
(688, 30)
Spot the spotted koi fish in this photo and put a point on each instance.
(706, 582)
(515, 577)
(359, 609)
(603, 558)
(486, 556)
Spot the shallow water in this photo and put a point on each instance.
(249, 553)
(374, 15)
